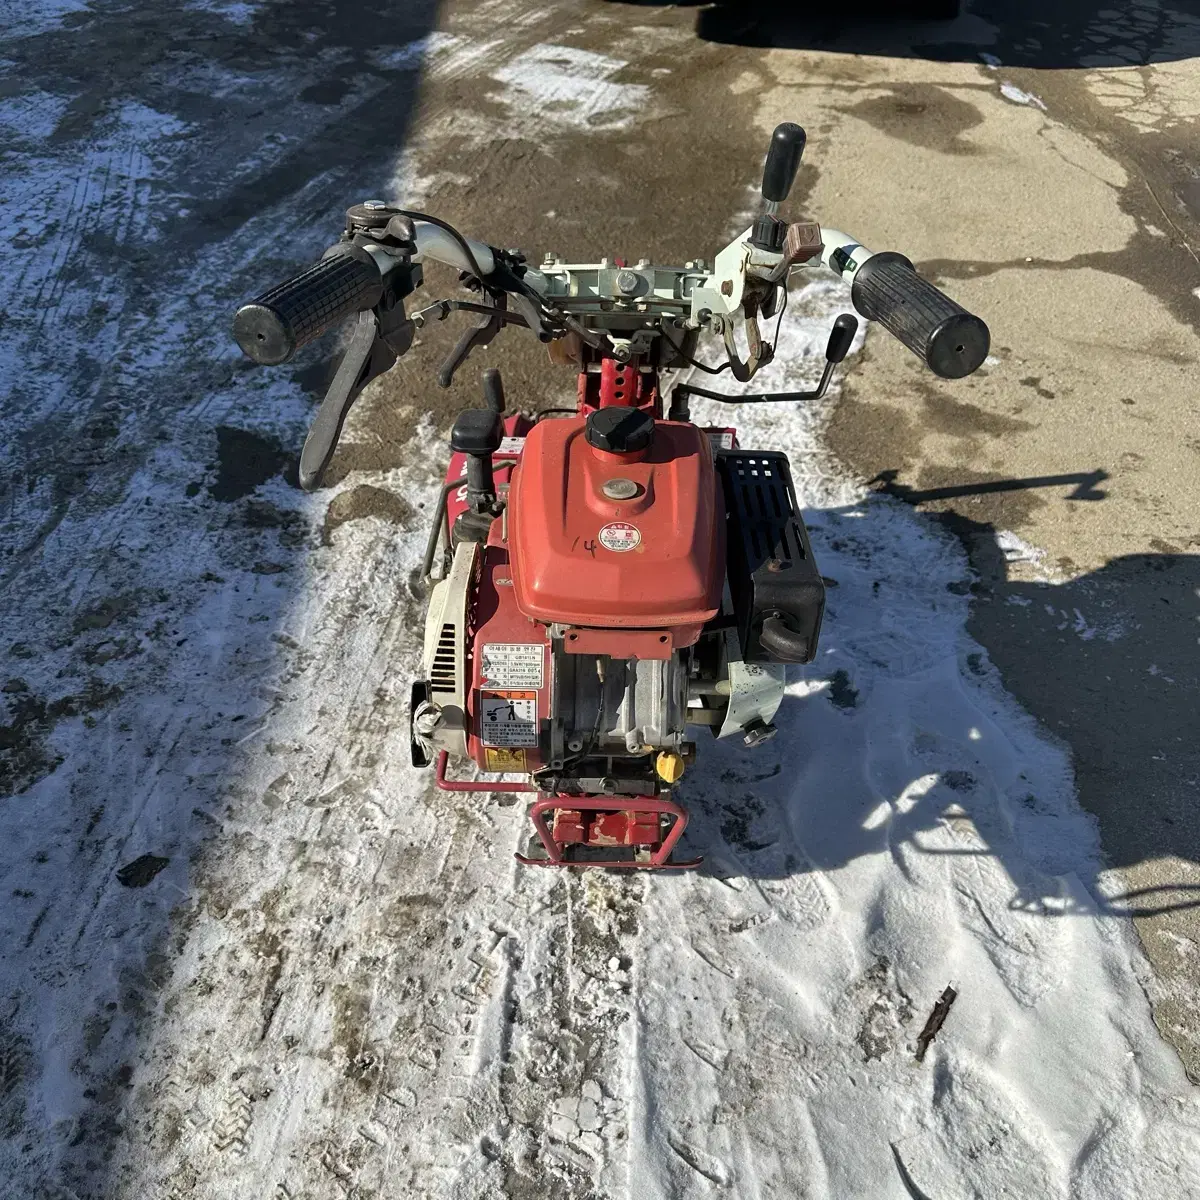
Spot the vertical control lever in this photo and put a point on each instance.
(783, 161)
(477, 434)
(779, 173)
(493, 390)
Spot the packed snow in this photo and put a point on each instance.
(242, 932)
(1017, 95)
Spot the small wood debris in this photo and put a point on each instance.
(937, 1019)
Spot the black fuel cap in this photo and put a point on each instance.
(620, 430)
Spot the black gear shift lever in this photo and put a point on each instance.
(779, 173)
(783, 161)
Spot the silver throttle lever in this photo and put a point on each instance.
(952, 341)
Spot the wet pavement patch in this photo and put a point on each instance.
(1189, 195)
(944, 414)
(840, 691)
(261, 514)
(923, 115)
(141, 871)
(245, 461)
(327, 91)
(737, 822)
(103, 613)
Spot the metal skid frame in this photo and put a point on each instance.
(659, 858)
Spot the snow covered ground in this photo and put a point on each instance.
(246, 950)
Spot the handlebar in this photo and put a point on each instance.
(607, 309)
(273, 326)
(350, 278)
(952, 341)
(885, 287)
(347, 279)
(619, 311)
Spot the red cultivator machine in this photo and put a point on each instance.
(606, 579)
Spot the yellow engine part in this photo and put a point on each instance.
(669, 766)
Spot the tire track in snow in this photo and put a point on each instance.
(431, 1031)
(427, 1035)
(565, 1089)
(350, 917)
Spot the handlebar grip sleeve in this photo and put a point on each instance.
(272, 327)
(951, 341)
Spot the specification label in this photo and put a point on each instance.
(514, 665)
(508, 719)
(503, 761)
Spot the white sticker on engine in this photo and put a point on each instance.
(513, 665)
(720, 439)
(511, 445)
(507, 722)
(620, 536)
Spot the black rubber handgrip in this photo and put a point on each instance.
(952, 341)
(272, 327)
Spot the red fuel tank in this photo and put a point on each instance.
(610, 541)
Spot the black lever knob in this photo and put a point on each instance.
(493, 390)
(840, 337)
(783, 161)
(477, 434)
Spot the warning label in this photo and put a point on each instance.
(511, 445)
(514, 665)
(620, 536)
(504, 761)
(508, 718)
(720, 439)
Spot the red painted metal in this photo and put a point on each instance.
(570, 827)
(474, 785)
(546, 562)
(584, 811)
(496, 619)
(629, 827)
(624, 643)
(559, 519)
(622, 384)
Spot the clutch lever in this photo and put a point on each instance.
(367, 357)
(483, 332)
(381, 335)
